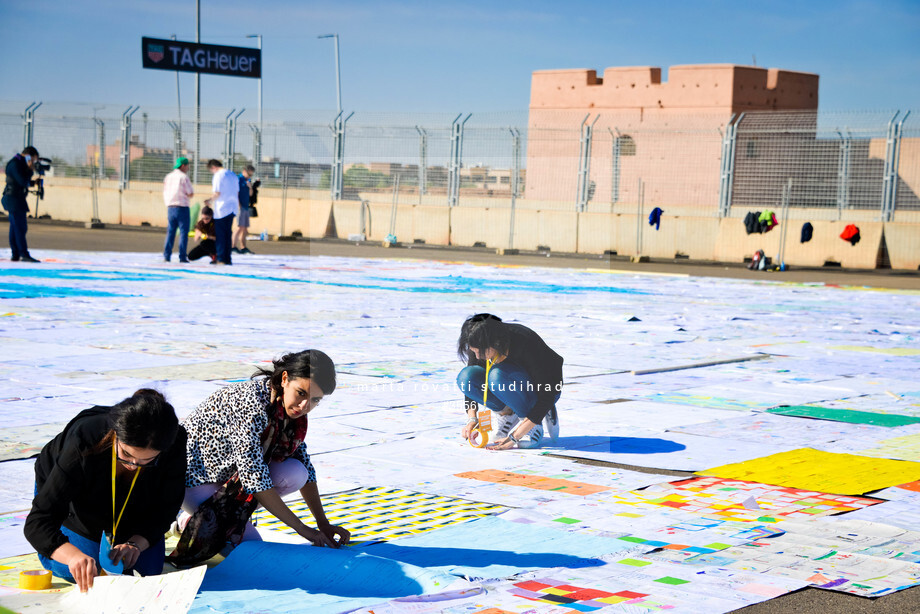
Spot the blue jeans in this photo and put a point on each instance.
(223, 231)
(19, 225)
(509, 385)
(176, 218)
(149, 563)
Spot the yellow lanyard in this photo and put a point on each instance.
(485, 390)
(115, 521)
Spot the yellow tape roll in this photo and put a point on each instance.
(483, 438)
(35, 579)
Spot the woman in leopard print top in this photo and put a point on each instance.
(253, 431)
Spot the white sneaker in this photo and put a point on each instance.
(503, 425)
(551, 424)
(533, 439)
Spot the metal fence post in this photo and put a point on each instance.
(515, 179)
(230, 138)
(784, 214)
(584, 163)
(284, 182)
(28, 124)
(422, 162)
(336, 182)
(456, 160)
(727, 170)
(100, 147)
(843, 173)
(256, 144)
(892, 164)
(640, 205)
(615, 166)
(177, 139)
(125, 157)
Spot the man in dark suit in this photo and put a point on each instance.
(18, 179)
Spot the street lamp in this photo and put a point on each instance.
(338, 76)
(261, 69)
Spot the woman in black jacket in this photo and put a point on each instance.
(524, 375)
(114, 472)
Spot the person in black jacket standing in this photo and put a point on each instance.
(524, 376)
(118, 471)
(18, 179)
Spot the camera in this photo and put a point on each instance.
(255, 192)
(40, 167)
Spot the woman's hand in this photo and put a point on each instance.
(468, 428)
(502, 444)
(129, 552)
(83, 569)
(318, 538)
(330, 531)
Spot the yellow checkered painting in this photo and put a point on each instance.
(380, 514)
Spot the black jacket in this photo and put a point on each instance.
(18, 179)
(542, 364)
(74, 488)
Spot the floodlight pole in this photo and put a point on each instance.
(338, 74)
(197, 98)
(258, 37)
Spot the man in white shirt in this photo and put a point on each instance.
(225, 201)
(177, 190)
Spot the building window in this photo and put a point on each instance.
(751, 148)
(627, 145)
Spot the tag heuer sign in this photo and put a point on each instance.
(164, 54)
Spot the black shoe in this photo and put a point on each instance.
(236, 250)
(28, 258)
(246, 250)
(185, 261)
(14, 258)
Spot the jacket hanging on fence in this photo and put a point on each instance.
(807, 230)
(767, 220)
(752, 222)
(654, 218)
(851, 234)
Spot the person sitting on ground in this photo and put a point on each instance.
(524, 376)
(118, 471)
(204, 230)
(246, 448)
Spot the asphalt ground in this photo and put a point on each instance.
(52, 235)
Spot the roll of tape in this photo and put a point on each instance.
(35, 579)
(479, 441)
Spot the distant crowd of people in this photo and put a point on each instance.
(232, 196)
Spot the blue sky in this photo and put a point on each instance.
(451, 56)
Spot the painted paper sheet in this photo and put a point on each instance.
(495, 548)
(822, 471)
(378, 513)
(844, 415)
(265, 576)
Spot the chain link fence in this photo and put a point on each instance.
(699, 164)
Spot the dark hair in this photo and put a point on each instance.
(145, 420)
(215, 163)
(30, 151)
(206, 210)
(309, 364)
(483, 331)
(250, 168)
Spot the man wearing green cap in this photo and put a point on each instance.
(177, 190)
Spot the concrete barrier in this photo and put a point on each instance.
(472, 225)
(903, 243)
(699, 238)
(826, 246)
